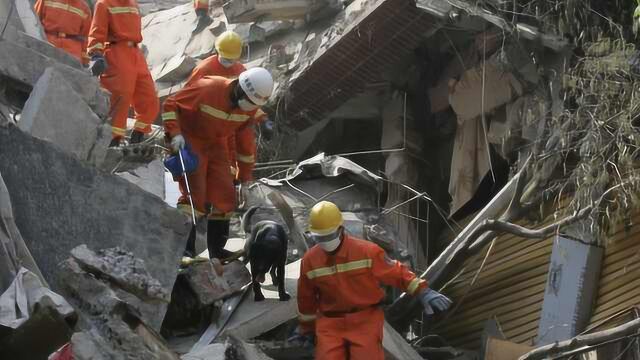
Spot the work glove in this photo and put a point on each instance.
(266, 129)
(432, 299)
(299, 339)
(177, 143)
(203, 20)
(97, 64)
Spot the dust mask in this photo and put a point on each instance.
(227, 63)
(330, 245)
(246, 105)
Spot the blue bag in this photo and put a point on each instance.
(172, 163)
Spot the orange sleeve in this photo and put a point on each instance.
(392, 273)
(86, 26)
(99, 29)
(245, 145)
(187, 99)
(307, 301)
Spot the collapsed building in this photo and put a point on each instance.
(448, 132)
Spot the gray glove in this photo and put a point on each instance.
(302, 340)
(432, 299)
(177, 143)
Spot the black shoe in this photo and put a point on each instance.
(115, 142)
(217, 236)
(136, 137)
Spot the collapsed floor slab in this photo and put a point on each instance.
(59, 203)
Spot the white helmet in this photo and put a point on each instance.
(257, 83)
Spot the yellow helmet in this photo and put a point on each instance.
(325, 218)
(229, 45)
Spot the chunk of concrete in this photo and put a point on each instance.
(210, 287)
(149, 178)
(41, 46)
(27, 66)
(174, 70)
(209, 352)
(112, 325)
(54, 112)
(395, 346)
(55, 196)
(248, 11)
(29, 19)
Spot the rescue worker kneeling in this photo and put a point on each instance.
(339, 290)
(205, 115)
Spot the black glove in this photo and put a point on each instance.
(97, 64)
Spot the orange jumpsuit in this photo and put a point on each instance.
(66, 23)
(339, 294)
(116, 32)
(204, 115)
(212, 67)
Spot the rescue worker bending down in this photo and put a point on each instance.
(226, 64)
(66, 23)
(339, 290)
(115, 57)
(204, 115)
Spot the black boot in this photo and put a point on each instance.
(115, 142)
(217, 236)
(190, 250)
(136, 137)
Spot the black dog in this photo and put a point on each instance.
(266, 251)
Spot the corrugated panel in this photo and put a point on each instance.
(619, 287)
(380, 37)
(509, 288)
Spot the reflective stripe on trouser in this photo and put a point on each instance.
(212, 182)
(356, 336)
(73, 47)
(129, 81)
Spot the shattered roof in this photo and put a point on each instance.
(385, 32)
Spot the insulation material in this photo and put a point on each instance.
(498, 349)
(499, 88)
(469, 163)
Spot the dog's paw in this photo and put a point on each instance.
(285, 297)
(258, 297)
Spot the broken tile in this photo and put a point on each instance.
(209, 287)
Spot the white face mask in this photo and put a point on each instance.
(246, 105)
(330, 245)
(227, 63)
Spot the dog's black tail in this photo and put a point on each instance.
(246, 219)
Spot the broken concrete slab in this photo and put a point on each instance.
(210, 287)
(24, 17)
(149, 178)
(112, 324)
(174, 70)
(54, 112)
(55, 196)
(242, 350)
(27, 66)
(210, 352)
(14, 253)
(248, 11)
(41, 46)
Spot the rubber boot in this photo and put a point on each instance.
(217, 236)
(115, 142)
(190, 250)
(136, 137)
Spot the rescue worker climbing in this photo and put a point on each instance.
(202, 12)
(66, 23)
(204, 115)
(339, 292)
(115, 57)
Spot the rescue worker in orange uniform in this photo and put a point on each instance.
(66, 23)
(226, 64)
(204, 115)
(339, 289)
(201, 8)
(113, 48)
